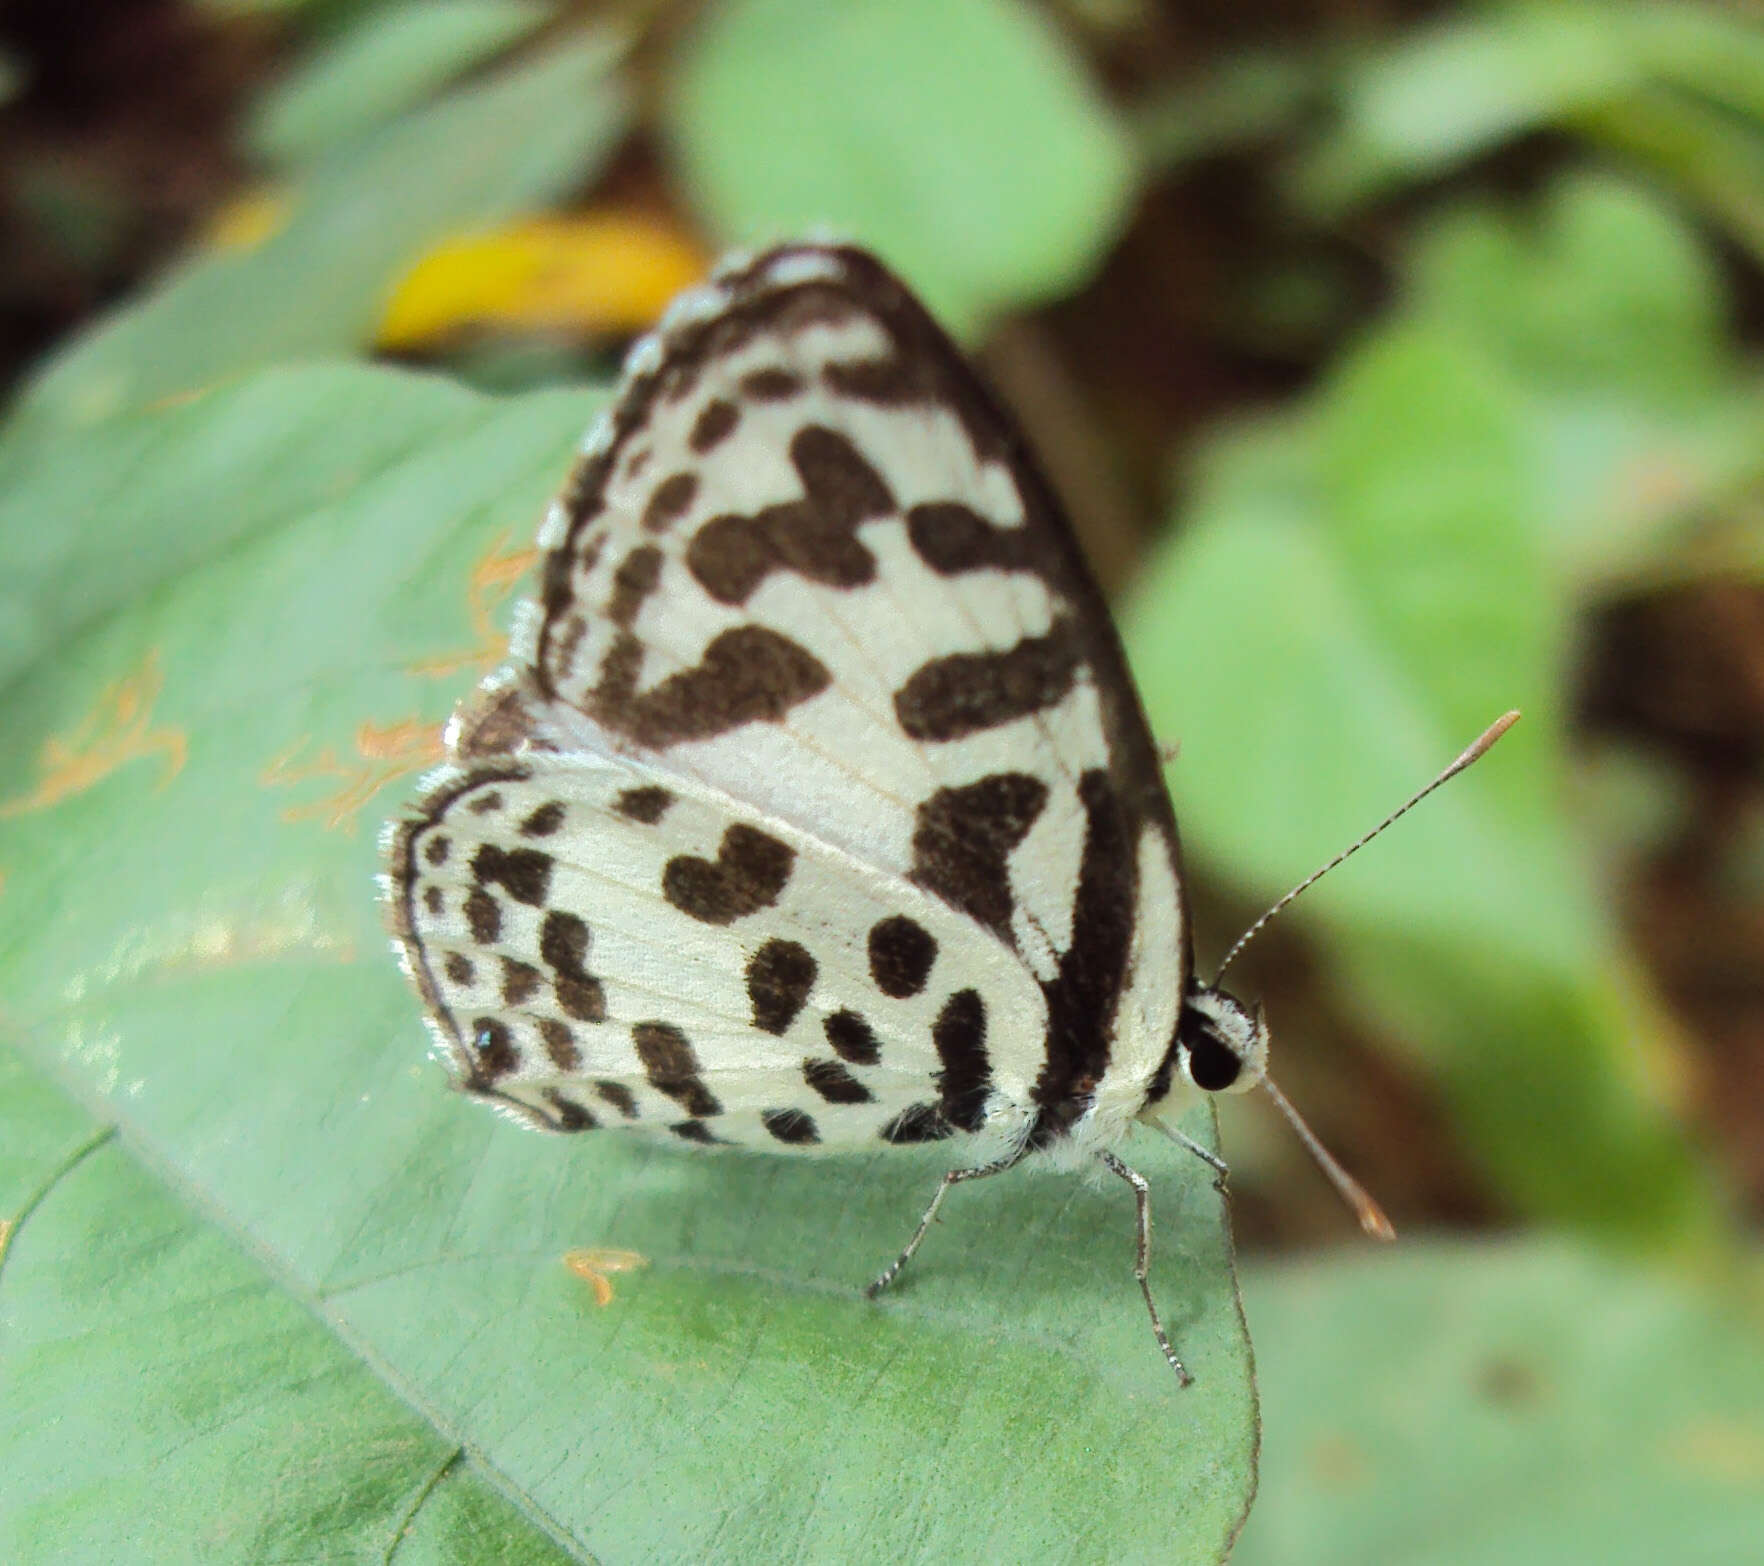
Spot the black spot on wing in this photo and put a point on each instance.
(544, 821)
(493, 1046)
(834, 1083)
(901, 954)
(583, 999)
(571, 631)
(672, 1068)
(459, 968)
(715, 423)
(619, 1096)
(669, 500)
(838, 480)
(747, 674)
(524, 873)
(436, 849)
(638, 575)
(435, 902)
(966, 1078)
(891, 381)
(563, 947)
(964, 693)
(771, 383)
(851, 1038)
(815, 537)
(564, 940)
(646, 805)
(952, 538)
(571, 1116)
(560, 1043)
(520, 982)
(483, 915)
(791, 1126)
(1081, 998)
(917, 1123)
(962, 838)
(749, 873)
(779, 977)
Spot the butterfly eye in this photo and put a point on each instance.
(1211, 1065)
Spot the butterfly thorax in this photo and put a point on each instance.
(1216, 1045)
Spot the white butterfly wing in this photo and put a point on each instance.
(808, 563)
(598, 947)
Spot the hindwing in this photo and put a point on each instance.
(596, 948)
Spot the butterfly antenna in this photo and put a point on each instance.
(1477, 749)
(1370, 1214)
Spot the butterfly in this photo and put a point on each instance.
(814, 809)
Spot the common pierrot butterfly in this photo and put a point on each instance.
(814, 809)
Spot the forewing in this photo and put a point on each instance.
(807, 561)
(596, 948)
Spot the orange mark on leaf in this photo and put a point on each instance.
(592, 1266)
(495, 575)
(386, 752)
(119, 729)
(383, 754)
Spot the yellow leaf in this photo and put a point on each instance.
(597, 274)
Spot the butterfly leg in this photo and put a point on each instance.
(1221, 1170)
(954, 1177)
(1142, 1260)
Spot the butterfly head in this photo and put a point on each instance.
(1221, 1044)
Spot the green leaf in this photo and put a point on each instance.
(188, 937)
(315, 288)
(273, 440)
(1677, 89)
(1352, 600)
(1605, 289)
(1502, 1404)
(1707, 50)
(1456, 88)
(162, 1391)
(1704, 153)
(959, 138)
(1603, 316)
(388, 62)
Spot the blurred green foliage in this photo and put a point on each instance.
(1500, 1403)
(958, 138)
(394, 61)
(1412, 540)
(316, 285)
(224, 557)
